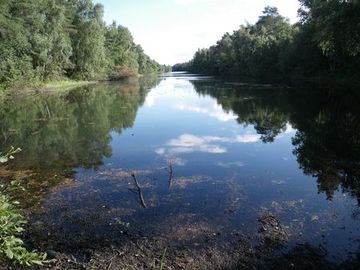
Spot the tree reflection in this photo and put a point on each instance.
(327, 141)
(327, 144)
(260, 107)
(64, 131)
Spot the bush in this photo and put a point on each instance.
(12, 225)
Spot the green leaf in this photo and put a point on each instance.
(9, 253)
(3, 159)
(37, 262)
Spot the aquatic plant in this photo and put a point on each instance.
(12, 225)
(9, 155)
(162, 262)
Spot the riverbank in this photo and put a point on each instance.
(50, 86)
(321, 81)
(63, 85)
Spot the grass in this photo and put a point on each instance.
(63, 85)
(162, 263)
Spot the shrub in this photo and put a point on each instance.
(12, 223)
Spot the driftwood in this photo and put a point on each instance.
(170, 171)
(139, 191)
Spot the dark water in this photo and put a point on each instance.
(209, 157)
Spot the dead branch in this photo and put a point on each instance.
(139, 191)
(169, 169)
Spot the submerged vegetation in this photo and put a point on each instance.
(46, 40)
(324, 43)
(12, 223)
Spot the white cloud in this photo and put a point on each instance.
(188, 143)
(150, 100)
(160, 151)
(214, 110)
(191, 2)
(230, 164)
(248, 138)
(171, 32)
(186, 99)
(289, 129)
(165, 90)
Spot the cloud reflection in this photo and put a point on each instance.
(230, 164)
(188, 143)
(214, 110)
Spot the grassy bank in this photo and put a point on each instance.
(63, 85)
(58, 86)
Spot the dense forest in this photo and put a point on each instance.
(42, 40)
(325, 42)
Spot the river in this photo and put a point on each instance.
(190, 160)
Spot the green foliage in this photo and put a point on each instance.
(335, 27)
(123, 52)
(253, 51)
(42, 40)
(12, 225)
(11, 245)
(326, 41)
(89, 56)
(9, 154)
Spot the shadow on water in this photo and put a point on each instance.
(222, 175)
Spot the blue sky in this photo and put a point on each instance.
(170, 31)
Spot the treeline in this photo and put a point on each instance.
(326, 41)
(44, 40)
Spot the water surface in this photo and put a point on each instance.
(190, 159)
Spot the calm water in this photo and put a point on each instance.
(209, 159)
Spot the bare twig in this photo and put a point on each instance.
(139, 191)
(169, 169)
(110, 261)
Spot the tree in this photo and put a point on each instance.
(89, 55)
(253, 51)
(326, 42)
(51, 39)
(336, 29)
(50, 42)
